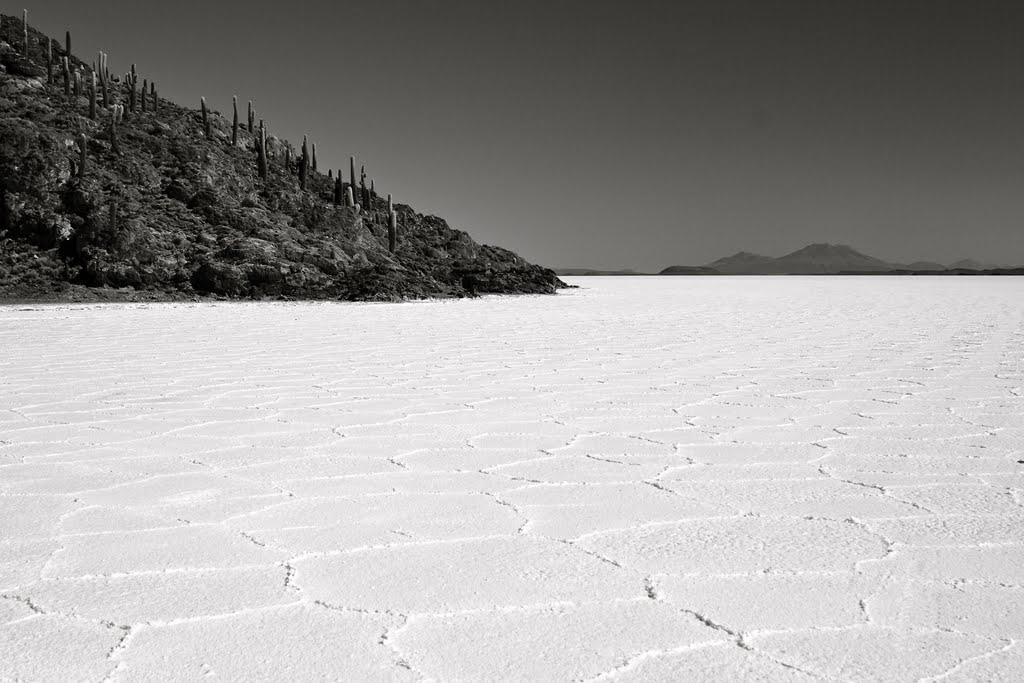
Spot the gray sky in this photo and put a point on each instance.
(627, 134)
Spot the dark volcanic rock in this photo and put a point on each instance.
(16, 66)
(220, 278)
(193, 217)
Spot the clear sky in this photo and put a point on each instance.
(626, 134)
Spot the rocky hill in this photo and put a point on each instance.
(110, 192)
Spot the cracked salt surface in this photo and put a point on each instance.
(766, 479)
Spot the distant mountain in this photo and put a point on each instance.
(824, 259)
(740, 263)
(921, 265)
(971, 264)
(593, 271)
(811, 260)
(690, 270)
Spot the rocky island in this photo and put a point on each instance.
(109, 192)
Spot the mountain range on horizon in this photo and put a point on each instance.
(814, 259)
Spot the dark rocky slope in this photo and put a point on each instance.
(173, 214)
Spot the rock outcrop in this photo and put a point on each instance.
(174, 210)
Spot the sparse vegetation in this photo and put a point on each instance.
(148, 205)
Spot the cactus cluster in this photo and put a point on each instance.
(359, 193)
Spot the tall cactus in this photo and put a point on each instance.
(104, 82)
(392, 232)
(234, 123)
(252, 117)
(337, 190)
(206, 118)
(364, 192)
(314, 157)
(114, 147)
(262, 153)
(145, 84)
(66, 71)
(92, 98)
(156, 98)
(104, 79)
(349, 199)
(391, 209)
(133, 81)
(352, 172)
(67, 44)
(304, 163)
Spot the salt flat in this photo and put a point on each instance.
(643, 479)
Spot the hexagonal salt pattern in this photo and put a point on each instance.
(759, 479)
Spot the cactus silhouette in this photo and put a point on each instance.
(206, 118)
(262, 153)
(114, 147)
(92, 98)
(133, 81)
(392, 232)
(304, 163)
(234, 123)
